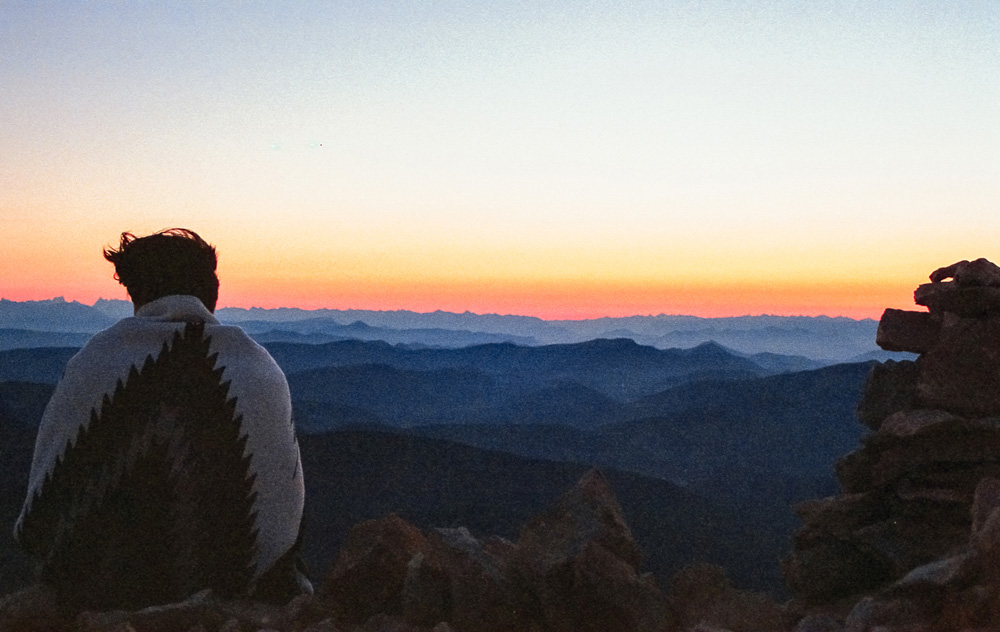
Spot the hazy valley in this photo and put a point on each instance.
(811, 341)
(478, 421)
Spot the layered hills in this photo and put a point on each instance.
(702, 451)
(814, 340)
(702, 443)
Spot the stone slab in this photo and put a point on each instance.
(902, 330)
(962, 372)
(968, 302)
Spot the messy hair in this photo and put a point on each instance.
(172, 261)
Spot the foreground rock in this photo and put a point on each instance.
(35, 610)
(574, 568)
(703, 598)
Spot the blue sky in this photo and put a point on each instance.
(339, 153)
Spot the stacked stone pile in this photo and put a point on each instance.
(909, 490)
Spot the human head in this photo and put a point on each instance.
(172, 261)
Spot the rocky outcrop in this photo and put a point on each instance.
(389, 567)
(910, 541)
(703, 598)
(34, 610)
(575, 567)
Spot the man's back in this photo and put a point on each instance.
(166, 462)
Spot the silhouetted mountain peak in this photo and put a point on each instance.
(56, 314)
(358, 326)
(114, 307)
(712, 349)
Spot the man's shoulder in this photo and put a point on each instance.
(232, 339)
(128, 339)
(239, 352)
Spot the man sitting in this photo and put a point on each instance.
(166, 461)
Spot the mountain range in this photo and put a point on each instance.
(813, 341)
(707, 447)
(709, 429)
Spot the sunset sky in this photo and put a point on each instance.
(558, 159)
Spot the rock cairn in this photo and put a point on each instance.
(910, 499)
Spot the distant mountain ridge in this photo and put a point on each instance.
(701, 432)
(56, 315)
(620, 368)
(580, 384)
(704, 421)
(319, 330)
(822, 339)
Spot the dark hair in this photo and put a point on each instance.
(172, 261)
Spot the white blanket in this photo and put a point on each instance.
(254, 380)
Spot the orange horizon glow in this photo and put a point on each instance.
(579, 300)
(638, 159)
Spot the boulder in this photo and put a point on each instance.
(202, 609)
(426, 592)
(599, 591)
(891, 387)
(870, 615)
(962, 372)
(326, 625)
(930, 495)
(833, 569)
(955, 571)
(975, 609)
(909, 423)
(479, 596)
(820, 622)
(986, 501)
(839, 516)
(588, 512)
(854, 470)
(395, 623)
(985, 537)
(574, 567)
(922, 445)
(914, 535)
(702, 595)
(974, 291)
(978, 273)
(967, 302)
(900, 330)
(33, 609)
(391, 571)
(577, 565)
(369, 574)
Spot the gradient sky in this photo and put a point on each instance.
(559, 159)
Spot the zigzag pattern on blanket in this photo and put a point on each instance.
(153, 499)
